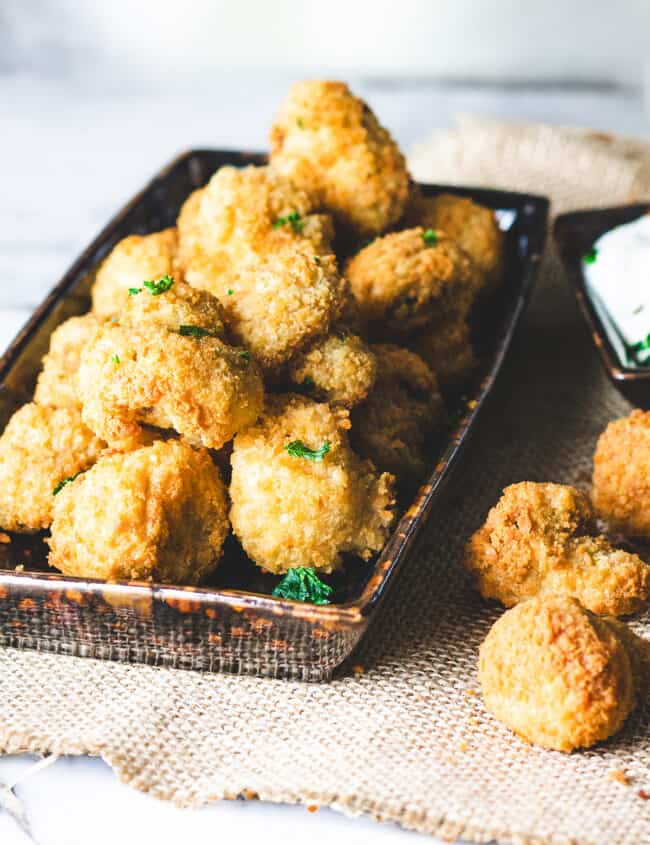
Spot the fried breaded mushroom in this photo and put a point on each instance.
(242, 216)
(158, 513)
(474, 227)
(411, 279)
(330, 143)
(283, 303)
(300, 496)
(40, 448)
(393, 425)
(539, 538)
(57, 381)
(132, 261)
(153, 370)
(448, 350)
(339, 368)
(171, 304)
(621, 480)
(556, 674)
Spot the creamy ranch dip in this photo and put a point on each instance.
(617, 275)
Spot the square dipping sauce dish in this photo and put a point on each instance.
(575, 234)
(232, 623)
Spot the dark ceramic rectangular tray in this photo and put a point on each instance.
(232, 623)
(575, 234)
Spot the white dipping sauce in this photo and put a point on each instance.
(619, 276)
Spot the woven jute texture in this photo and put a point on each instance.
(408, 739)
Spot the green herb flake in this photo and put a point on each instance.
(302, 584)
(194, 331)
(292, 220)
(115, 359)
(246, 355)
(297, 449)
(642, 344)
(162, 285)
(134, 291)
(65, 481)
(300, 123)
(591, 256)
(230, 291)
(430, 237)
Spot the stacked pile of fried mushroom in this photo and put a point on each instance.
(559, 668)
(239, 337)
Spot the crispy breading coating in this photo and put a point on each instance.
(242, 216)
(40, 447)
(133, 260)
(448, 350)
(474, 227)
(158, 513)
(331, 144)
(401, 283)
(556, 674)
(621, 480)
(539, 539)
(290, 511)
(179, 305)
(339, 368)
(250, 239)
(393, 426)
(57, 381)
(152, 370)
(278, 306)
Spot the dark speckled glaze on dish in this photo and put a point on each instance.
(232, 623)
(575, 234)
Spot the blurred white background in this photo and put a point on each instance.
(486, 40)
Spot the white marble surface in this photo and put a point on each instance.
(74, 150)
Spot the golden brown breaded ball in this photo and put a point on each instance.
(40, 447)
(281, 304)
(448, 350)
(393, 426)
(242, 216)
(539, 539)
(621, 481)
(406, 281)
(178, 304)
(330, 143)
(158, 513)
(556, 674)
(339, 368)
(474, 227)
(57, 381)
(179, 376)
(300, 496)
(132, 261)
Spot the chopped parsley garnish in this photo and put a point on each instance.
(590, 256)
(246, 355)
(154, 288)
(307, 383)
(115, 358)
(297, 449)
(430, 237)
(317, 260)
(292, 220)
(302, 584)
(300, 123)
(642, 344)
(230, 291)
(194, 331)
(65, 481)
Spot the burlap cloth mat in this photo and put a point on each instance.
(408, 740)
